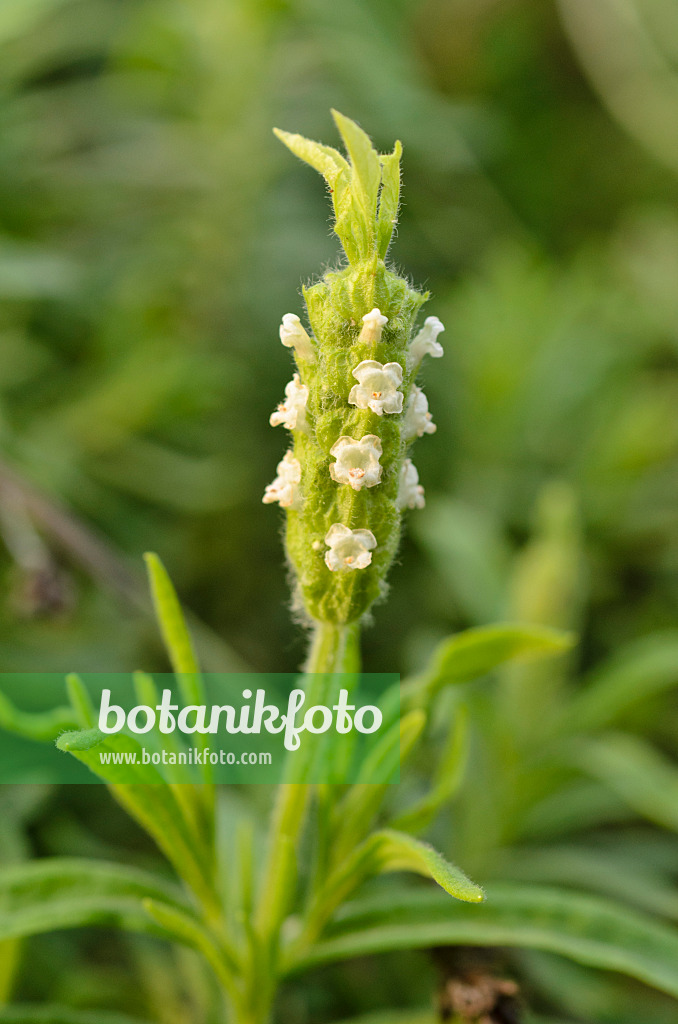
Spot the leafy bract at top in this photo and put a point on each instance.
(365, 188)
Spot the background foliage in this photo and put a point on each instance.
(152, 232)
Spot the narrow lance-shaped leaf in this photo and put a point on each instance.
(395, 851)
(324, 159)
(44, 727)
(46, 895)
(644, 779)
(355, 813)
(174, 629)
(446, 781)
(177, 641)
(477, 651)
(365, 182)
(639, 670)
(587, 929)
(618, 873)
(383, 852)
(146, 796)
(364, 233)
(180, 777)
(147, 693)
(81, 702)
(336, 171)
(389, 198)
(187, 930)
(9, 963)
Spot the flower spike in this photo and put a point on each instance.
(354, 407)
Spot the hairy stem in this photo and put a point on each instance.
(334, 649)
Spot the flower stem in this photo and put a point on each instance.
(334, 649)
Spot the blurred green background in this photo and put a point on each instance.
(153, 232)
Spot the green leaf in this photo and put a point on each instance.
(354, 814)
(395, 851)
(639, 670)
(383, 852)
(365, 162)
(365, 182)
(394, 748)
(42, 896)
(81, 701)
(587, 929)
(146, 796)
(587, 994)
(477, 651)
(355, 187)
(643, 778)
(338, 174)
(43, 727)
(618, 873)
(173, 627)
(177, 641)
(187, 930)
(10, 951)
(446, 781)
(178, 775)
(324, 159)
(389, 198)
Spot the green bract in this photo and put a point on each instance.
(362, 317)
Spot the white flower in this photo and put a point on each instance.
(377, 387)
(292, 412)
(418, 420)
(425, 342)
(410, 491)
(285, 487)
(293, 335)
(372, 325)
(349, 549)
(357, 461)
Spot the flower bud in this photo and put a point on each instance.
(293, 335)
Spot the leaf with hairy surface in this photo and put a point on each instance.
(43, 896)
(475, 652)
(588, 929)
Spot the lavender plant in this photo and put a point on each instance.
(353, 409)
